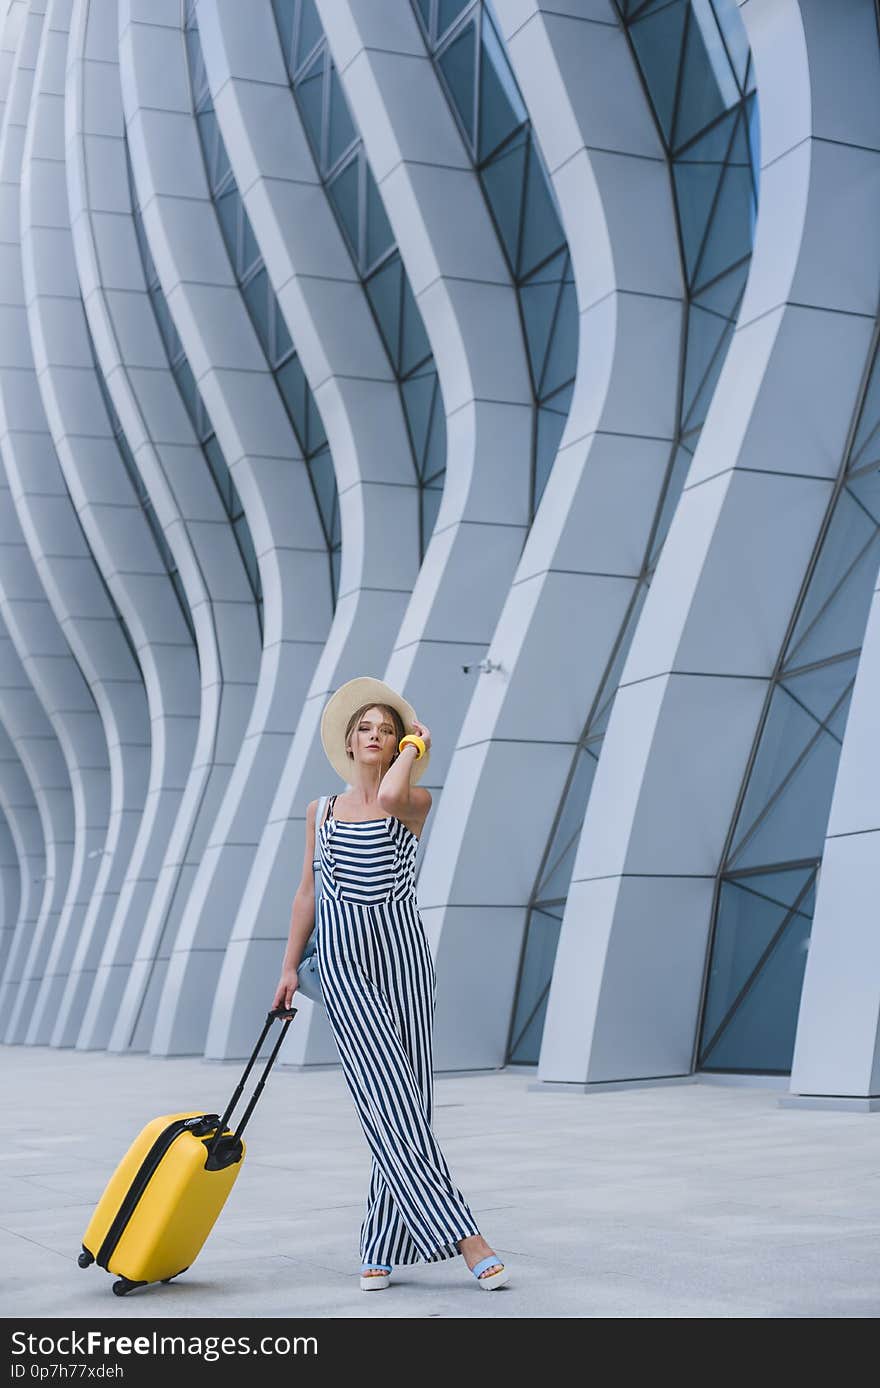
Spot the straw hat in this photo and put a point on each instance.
(340, 708)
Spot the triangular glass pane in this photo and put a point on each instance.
(189, 393)
(869, 448)
(222, 166)
(430, 503)
(735, 38)
(561, 362)
(385, 290)
(837, 570)
(705, 334)
(787, 733)
(248, 553)
(418, 397)
(680, 466)
(795, 825)
(335, 569)
(228, 206)
(204, 427)
(761, 1034)
(250, 251)
(841, 626)
(503, 183)
(447, 13)
(548, 433)
(821, 690)
(865, 487)
(344, 190)
(560, 401)
(701, 99)
(740, 150)
(341, 131)
(222, 479)
(542, 940)
(527, 1044)
(837, 722)
(309, 92)
(425, 8)
(711, 147)
(750, 912)
(310, 30)
(724, 295)
(435, 454)
(209, 135)
(283, 342)
(556, 874)
(458, 63)
(256, 295)
(696, 186)
(729, 236)
(415, 347)
(170, 336)
(657, 41)
(541, 232)
(285, 16)
(380, 237)
(696, 416)
(316, 436)
(324, 480)
(501, 106)
(292, 384)
(538, 299)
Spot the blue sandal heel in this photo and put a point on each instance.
(497, 1279)
(370, 1283)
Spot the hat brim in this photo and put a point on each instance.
(342, 705)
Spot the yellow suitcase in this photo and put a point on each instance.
(164, 1197)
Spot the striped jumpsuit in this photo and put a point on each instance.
(379, 986)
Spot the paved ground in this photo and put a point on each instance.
(696, 1200)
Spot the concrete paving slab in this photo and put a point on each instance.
(699, 1200)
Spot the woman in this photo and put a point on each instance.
(378, 979)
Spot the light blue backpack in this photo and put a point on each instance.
(307, 972)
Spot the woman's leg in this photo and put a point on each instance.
(378, 982)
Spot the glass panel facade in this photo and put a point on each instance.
(780, 826)
(127, 459)
(189, 391)
(483, 95)
(250, 271)
(704, 107)
(342, 164)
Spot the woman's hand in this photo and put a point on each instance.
(287, 986)
(424, 733)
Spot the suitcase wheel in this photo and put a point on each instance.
(85, 1259)
(173, 1275)
(123, 1286)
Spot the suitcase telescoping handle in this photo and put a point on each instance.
(286, 1014)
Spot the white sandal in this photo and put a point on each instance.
(378, 1279)
(497, 1279)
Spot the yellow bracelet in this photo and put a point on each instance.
(416, 741)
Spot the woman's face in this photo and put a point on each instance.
(374, 740)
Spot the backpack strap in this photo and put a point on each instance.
(319, 817)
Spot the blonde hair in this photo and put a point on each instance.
(358, 715)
